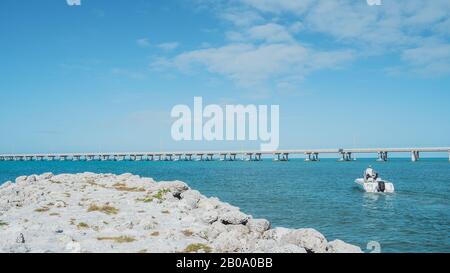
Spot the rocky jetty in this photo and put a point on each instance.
(90, 212)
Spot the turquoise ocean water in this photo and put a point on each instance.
(298, 194)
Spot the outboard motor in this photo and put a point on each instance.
(381, 186)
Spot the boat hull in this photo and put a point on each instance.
(377, 186)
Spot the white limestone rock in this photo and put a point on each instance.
(338, 246)
(308, 238)
(90, 212)
(275, 233)
(209, 216)
(258, 225)
(175, 187)
(234, 218)
(190, 199)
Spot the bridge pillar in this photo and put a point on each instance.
(308, 157)
(346, 156)
(382, 156)
(248, 157)
(315, 156)
(233, 157)
(276, 157)
(415, 156)
(285, 157)
(258, 157)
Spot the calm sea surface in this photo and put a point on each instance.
(298, 194)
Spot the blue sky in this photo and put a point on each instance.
(104, 76)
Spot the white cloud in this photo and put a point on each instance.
(249, 64)
(168, 46)
(398, 26)
(430, 59)
(242, 18)
(143, 42)
(278, 6)
(267, 39)
(270, 32)
(296, 27)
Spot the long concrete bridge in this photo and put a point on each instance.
(279, 155)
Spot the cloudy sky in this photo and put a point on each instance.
(103, 76)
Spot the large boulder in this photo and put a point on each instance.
(308, 238)
(211, 203)
(338, 246)
(6, 185)
(175, 187)
(289, 248)
(45, 176)
(231, 241)
(21, 180)
(190, 199)
(276, 233)
(258, 225)
(215, 230)
(209, 216)
(234, 218)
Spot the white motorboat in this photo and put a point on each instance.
(375, 185)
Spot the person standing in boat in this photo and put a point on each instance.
(370, 173)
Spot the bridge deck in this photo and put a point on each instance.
(345, 153)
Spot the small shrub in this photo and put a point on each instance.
(187, 233)
(197, 247)
(82, 225)
(105, 209)
(124, 187)
(120, 239)
(160, 194)
(43, 209)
